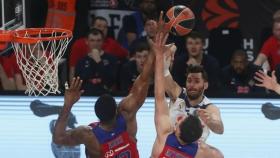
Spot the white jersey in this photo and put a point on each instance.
(181, 106)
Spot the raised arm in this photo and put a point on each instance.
(171, 87)
(267, 81)
(212, 118)
(161, 118)
(73, 136)
(163, 125)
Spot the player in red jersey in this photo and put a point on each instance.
(115, 134)
(181, 141)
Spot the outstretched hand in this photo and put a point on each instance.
(158, 43)
(265, 80)
(73, 93)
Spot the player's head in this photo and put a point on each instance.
(106, 108)
(194, 44)
(188, 128)
(239, 61)
(196, 81)
(276, 28)
(95, 39)
(100, 23)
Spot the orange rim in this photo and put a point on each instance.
(5, 36)
(31, 35)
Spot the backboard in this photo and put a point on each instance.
(12, 17)
(12, 14)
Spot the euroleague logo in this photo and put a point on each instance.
(220, 13)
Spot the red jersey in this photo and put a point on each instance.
(10, 65)
(271, 49)
(112, 47)
(116, 143)
(80, 49)
(173, 148)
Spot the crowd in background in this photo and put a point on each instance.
(109, 63)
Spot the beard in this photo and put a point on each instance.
(194, 96)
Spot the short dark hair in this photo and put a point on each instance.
(94, 31)
(239, 52)
(98, 18)
(190, 129)
(195, 35)
(197, 69)
(105, 108)
(139, 46)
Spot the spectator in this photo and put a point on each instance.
(270, 50)
(97, 69)
(133, 25)
(80, 48)
(133, 68)
(150, 28)
(238, 77)
(13, 72)
(110, 45)
(5, 82)
(194, 56)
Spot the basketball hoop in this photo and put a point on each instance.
(38, 52)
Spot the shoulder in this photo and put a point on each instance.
(84, 128)
(209, 59)
(271, 40)
(212, 107)
(181, 58)
(269, 43)
(79, 42)
(205, 150)
(206, 101)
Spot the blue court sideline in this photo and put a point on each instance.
(247, 133)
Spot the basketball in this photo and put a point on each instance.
(179, 20)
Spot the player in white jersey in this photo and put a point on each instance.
(181, 107)
(191, 99)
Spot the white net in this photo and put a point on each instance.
(39, 60)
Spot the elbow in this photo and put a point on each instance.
(220, 131)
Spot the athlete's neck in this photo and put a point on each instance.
(194, 102)
(180, 140)
(108, 126)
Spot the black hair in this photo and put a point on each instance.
(190, 129)
(240, 52)
(105, 108)
(195, 35)
(138, 46)
(197, 69)
(95, 31)
(98, 18)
